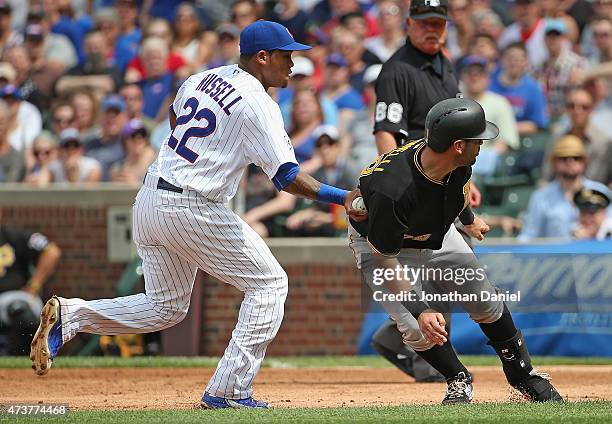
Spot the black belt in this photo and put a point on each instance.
(165, 185)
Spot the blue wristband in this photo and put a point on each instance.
(331, 194)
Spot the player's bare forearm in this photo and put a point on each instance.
(385, 142)
(306, 186)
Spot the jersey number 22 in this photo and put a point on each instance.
(211, 123)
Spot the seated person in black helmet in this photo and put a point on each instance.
(413, 194)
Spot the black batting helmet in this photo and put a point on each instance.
(457, 119)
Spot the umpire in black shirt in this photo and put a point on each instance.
(415, 78)
(411, 82)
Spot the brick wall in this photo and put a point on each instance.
(81, 234)
(322, 313)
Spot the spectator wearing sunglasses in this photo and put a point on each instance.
(138, 154)
(579, 120)
(45, 153)
(73, 166)
(551, 211)
(561, 67)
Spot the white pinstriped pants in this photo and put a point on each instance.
(176, 234)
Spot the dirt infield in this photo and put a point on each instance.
(172, 388)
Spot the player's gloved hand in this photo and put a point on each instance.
(477, 229)
(356, 214)
(432, 325)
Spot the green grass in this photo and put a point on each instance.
(598, 412)
(278, 362)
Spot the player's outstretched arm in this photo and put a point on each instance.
(304, 185)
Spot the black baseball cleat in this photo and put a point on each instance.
(537, 388)
(459, 389)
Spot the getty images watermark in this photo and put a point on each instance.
(435, 284)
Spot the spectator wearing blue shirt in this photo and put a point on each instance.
(551, 211)
(62, 21)
(129, 40)
(160, 8)
(107, 149)
(159, 83)
(288, 13)
(301, 78)
(338, 89)
(522, 91)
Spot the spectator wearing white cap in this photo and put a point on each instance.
(72, 166)
(362, 149)
(317, 219)
(301, 78)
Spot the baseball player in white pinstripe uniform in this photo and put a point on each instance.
(222, 120)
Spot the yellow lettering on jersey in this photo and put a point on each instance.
(7, 258)
(375, 166)
(466, 193)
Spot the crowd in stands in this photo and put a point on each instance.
(85, 87)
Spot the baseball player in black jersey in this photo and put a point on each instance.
(413, 195)
(411, 82)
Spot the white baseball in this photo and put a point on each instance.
(358, 204)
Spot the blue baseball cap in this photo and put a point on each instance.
(268, 36)
(113, 101)
(471, 60)
(337, 59)
(10, 90)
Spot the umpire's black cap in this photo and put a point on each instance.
(424, 9)
(591, 200)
